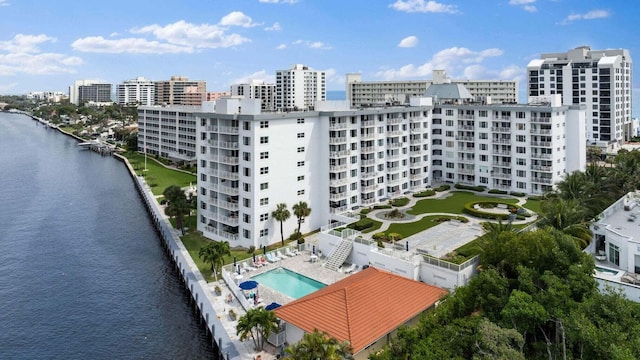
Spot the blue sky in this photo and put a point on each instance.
(47, 45)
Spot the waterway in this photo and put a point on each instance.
(83, 274)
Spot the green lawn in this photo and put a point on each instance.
(453, 204)
(408, 229)
(157, 174)
(533, 205)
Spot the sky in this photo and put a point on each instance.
(46, 45)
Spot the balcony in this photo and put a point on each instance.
(222, 174)
(465, 117)
(223, 129)
(502, 164)
(541, 120)
(541, 143)
(501, 141)
(541, 168)
(338, 210)
(540, 131)
(465, 128)
(395, 133)
(221, 233)
(338, 182)
(368, 149)
(338, 126)
(368, 162)
(394, 145)
(541, 180)
(394, 121)
(501, 129)
(223, 144)
(337, 140)
(502, 152)
(368, 188)
(224, 189)
(466, 171)
(466, 161)
(224, 204)
(502, 175)
(338, 196)
(368, 175)
(541, 156)
(341, 167)
(369, 201)
(368, 123)
(339, 154)
(233, 160)
(367, 136)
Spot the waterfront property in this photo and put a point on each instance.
(289, 282)
(345, 309)
(616, 246)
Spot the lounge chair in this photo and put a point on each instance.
(350, 269)
(288, 252)
(263, 261)
(280, 255)
(257, 263)
(247, 267)
(271, 258)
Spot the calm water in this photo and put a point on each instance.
(289, 282)
(82, 273)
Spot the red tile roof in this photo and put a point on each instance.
(362, 307)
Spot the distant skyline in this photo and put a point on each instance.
(45, 47)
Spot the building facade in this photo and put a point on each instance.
(94, 93)
(375, 93)
(257, 90)
(598, 79)
(138, 91)
(180, 91)
(76, 94)
(168, 131)
(299, 88)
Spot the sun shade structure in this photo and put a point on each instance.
(248, 285)
(272, 306)
(361, 308)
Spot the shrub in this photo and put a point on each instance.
(425, 193)
(534, 197)
(399, 202)
(361, 224)
(380, 244)
(471, 210)
(379, 207)
(379, 236)
(394, 214)
(496, 191)
(444, 187)
(517, 194)
(251, 249)
(365, 211)
(296, 236)
(478, 188)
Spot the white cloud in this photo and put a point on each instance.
(186, 34)
(4, 3)
(312, 44)
(261, 75)
(275, 27)
(591, 15)
(281, 46)
(98, 44)
(454, 60)
(408, 42)
(237, 18)
(279, 1)
(421, 6)
(22, 55)
(527, 5)
(25, 43)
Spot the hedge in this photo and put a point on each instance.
(444, 187)
(365, 211)
(517, 194)
(479, 188)
(469, 209)
(399, 202)
(496, 191)
(425, 193)
(362, 224)
(379, 207)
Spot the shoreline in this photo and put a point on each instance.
(194, 282)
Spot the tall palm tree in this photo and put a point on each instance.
(301, 210)
(281, 214)
(213, 253)
(319, 345)
(258, 324)
(568, 216)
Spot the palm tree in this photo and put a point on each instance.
(177, 205)
(281, 214)
(258, 324)
(319, 345)
(568, 216)
(301, 210)
(213, 253)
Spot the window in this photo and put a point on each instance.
(246, 171)
(264, 201)
(246, 125)
(449, 112)
(521, 173)
(614, 254)
(264, 139)
(264, 186)
(520, 161)
(449, 122)
(521, 185)
(521, 150)
(246, 187)
(264, 232)
(482, 113)
(300, 163)
(521, 126)
(484, 136)
(246, 202)
(483, 124)
(301, 149)
(300, 121)
(300, 135)
(264, 217)
(521, 138)
(300, 192)
(301, 177)
(264, 124)
(246, 140)
(264, 155)
(246, 218)
(246, 233)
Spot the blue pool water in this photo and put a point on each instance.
(607, 270)
(288, 282)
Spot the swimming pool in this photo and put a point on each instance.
(288, 282)
(607, 271)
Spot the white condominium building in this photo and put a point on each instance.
(598, 79)
(138, 91)
(375, 93)
(334, 159)
(299, 88)
(168, 131)
(257, 90)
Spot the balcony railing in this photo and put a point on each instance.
(541, 168)
(223, 144)
(541, 143)
(338, 126)
(338, 196)
(341, 167)
(541, 180)
(541, 156)
(502, 176)
(338, 154)
(543, 120)
(337, 140)
(501, 141)
(540, 131)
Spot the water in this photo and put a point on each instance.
(288, 282)
(82, 272)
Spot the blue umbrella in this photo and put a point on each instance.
(248, 285)
(272, 306)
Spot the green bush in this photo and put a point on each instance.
(478, 188)
(380, 244)
(399, 202)
(361, 224)
(379, 207)
(444, 187)
(469, 209)
(534, 197)
(496, 191)
(365, 211)
(425, 193)
(296, 236)
(379, 236)
(517, 194)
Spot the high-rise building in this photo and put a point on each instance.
(257, 90)
(215, 95)
(375, 93)
(299, 88)
(180, 91)
(168, 131)
(94, 93)
(138, 91)
(598, 79)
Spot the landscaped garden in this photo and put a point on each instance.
(157, 176)
(454, 203)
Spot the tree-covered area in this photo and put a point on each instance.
(535, 296)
